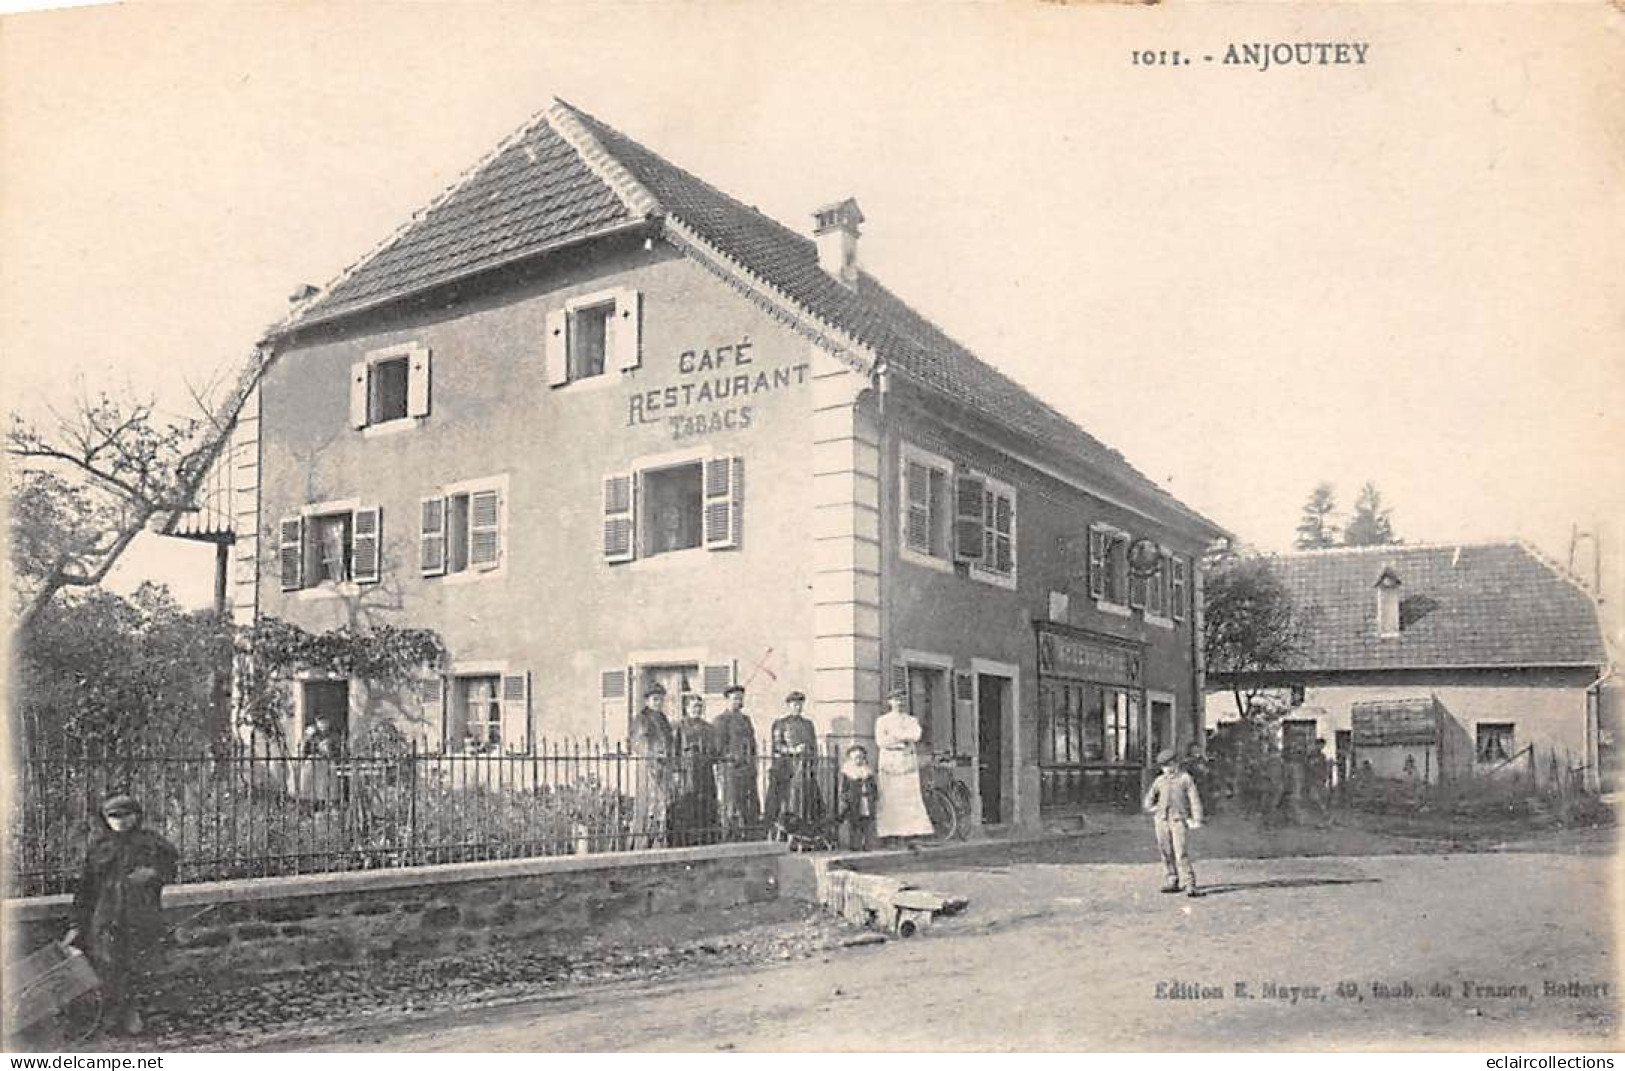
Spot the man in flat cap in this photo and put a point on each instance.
(794, 803)
(652, 748)
(1175, 807)
(738, 803)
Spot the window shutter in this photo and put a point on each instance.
(628, 330)
(432, 537)
(358, 394)
(516, 711)
(1003, 533)
(432, 706)
(899, 678)
(557, 349)
(291, 552)
(724, 480)
(717, 678)
(484, 521)
(964, 703)
(1178, 593)
(417, 384)
(1136, 590)
(1097, 563)
(969, 514)
(366, 542)
(917, 507)
(618, 513)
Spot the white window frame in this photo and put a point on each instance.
(978, 570)
(689, 557)
(1114, 537)
(407, 351)
(328, 589)
(613, 298)
(942, 525)
(469, 574)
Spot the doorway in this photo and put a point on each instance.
(992, 705)
(1163, 735)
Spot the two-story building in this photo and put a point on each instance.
(601, 425)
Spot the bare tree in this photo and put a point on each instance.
(86, 484)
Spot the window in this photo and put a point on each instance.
(1108, 565)
(390, 387)
(1156, 590)
(925, 506)
(386, 390)
(477, 698)
(674, 507)
(486, 711)
(462, 529)
(1495, 741)
(330, 544)
(1178, 588)
(593, 333)
(985, 528)
(1298, 737)
(1088, 723)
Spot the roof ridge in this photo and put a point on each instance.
(565, 119)
(466, 176)
(1395, 548)
(691, 236)
(581, 118)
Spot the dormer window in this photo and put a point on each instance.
(1388, 586)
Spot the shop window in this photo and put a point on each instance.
(592, 334)
(658, 511)
(390, 386)
(327, 546)
(1108, 565)
(1495, 741)
(462, 531)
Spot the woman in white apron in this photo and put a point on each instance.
(899, 809)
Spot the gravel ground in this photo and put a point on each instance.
(1068, 957)
(293, 1009)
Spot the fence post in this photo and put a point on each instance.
(412, 806)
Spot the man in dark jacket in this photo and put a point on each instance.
(118, 919)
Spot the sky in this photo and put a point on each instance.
(1409, 271)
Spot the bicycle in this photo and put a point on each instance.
(947, 798)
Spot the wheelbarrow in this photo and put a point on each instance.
(54, 984)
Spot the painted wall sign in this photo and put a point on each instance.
(723, 373)
(1090, 661)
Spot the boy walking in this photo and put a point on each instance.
(1175, 806)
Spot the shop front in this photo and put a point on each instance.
(1093, 738)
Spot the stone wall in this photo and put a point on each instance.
(570, 904)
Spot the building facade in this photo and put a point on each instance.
(601, 426)
(1439, 663)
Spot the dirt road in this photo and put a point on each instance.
(1065, 956)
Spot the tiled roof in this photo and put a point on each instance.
(533, 194)
(1486, 604)
(537, 192)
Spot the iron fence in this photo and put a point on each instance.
(254, 810)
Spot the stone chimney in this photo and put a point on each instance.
(1388, 586)
(835, 229)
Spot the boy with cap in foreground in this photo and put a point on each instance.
(1174, 806)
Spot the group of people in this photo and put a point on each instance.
(696, 780)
